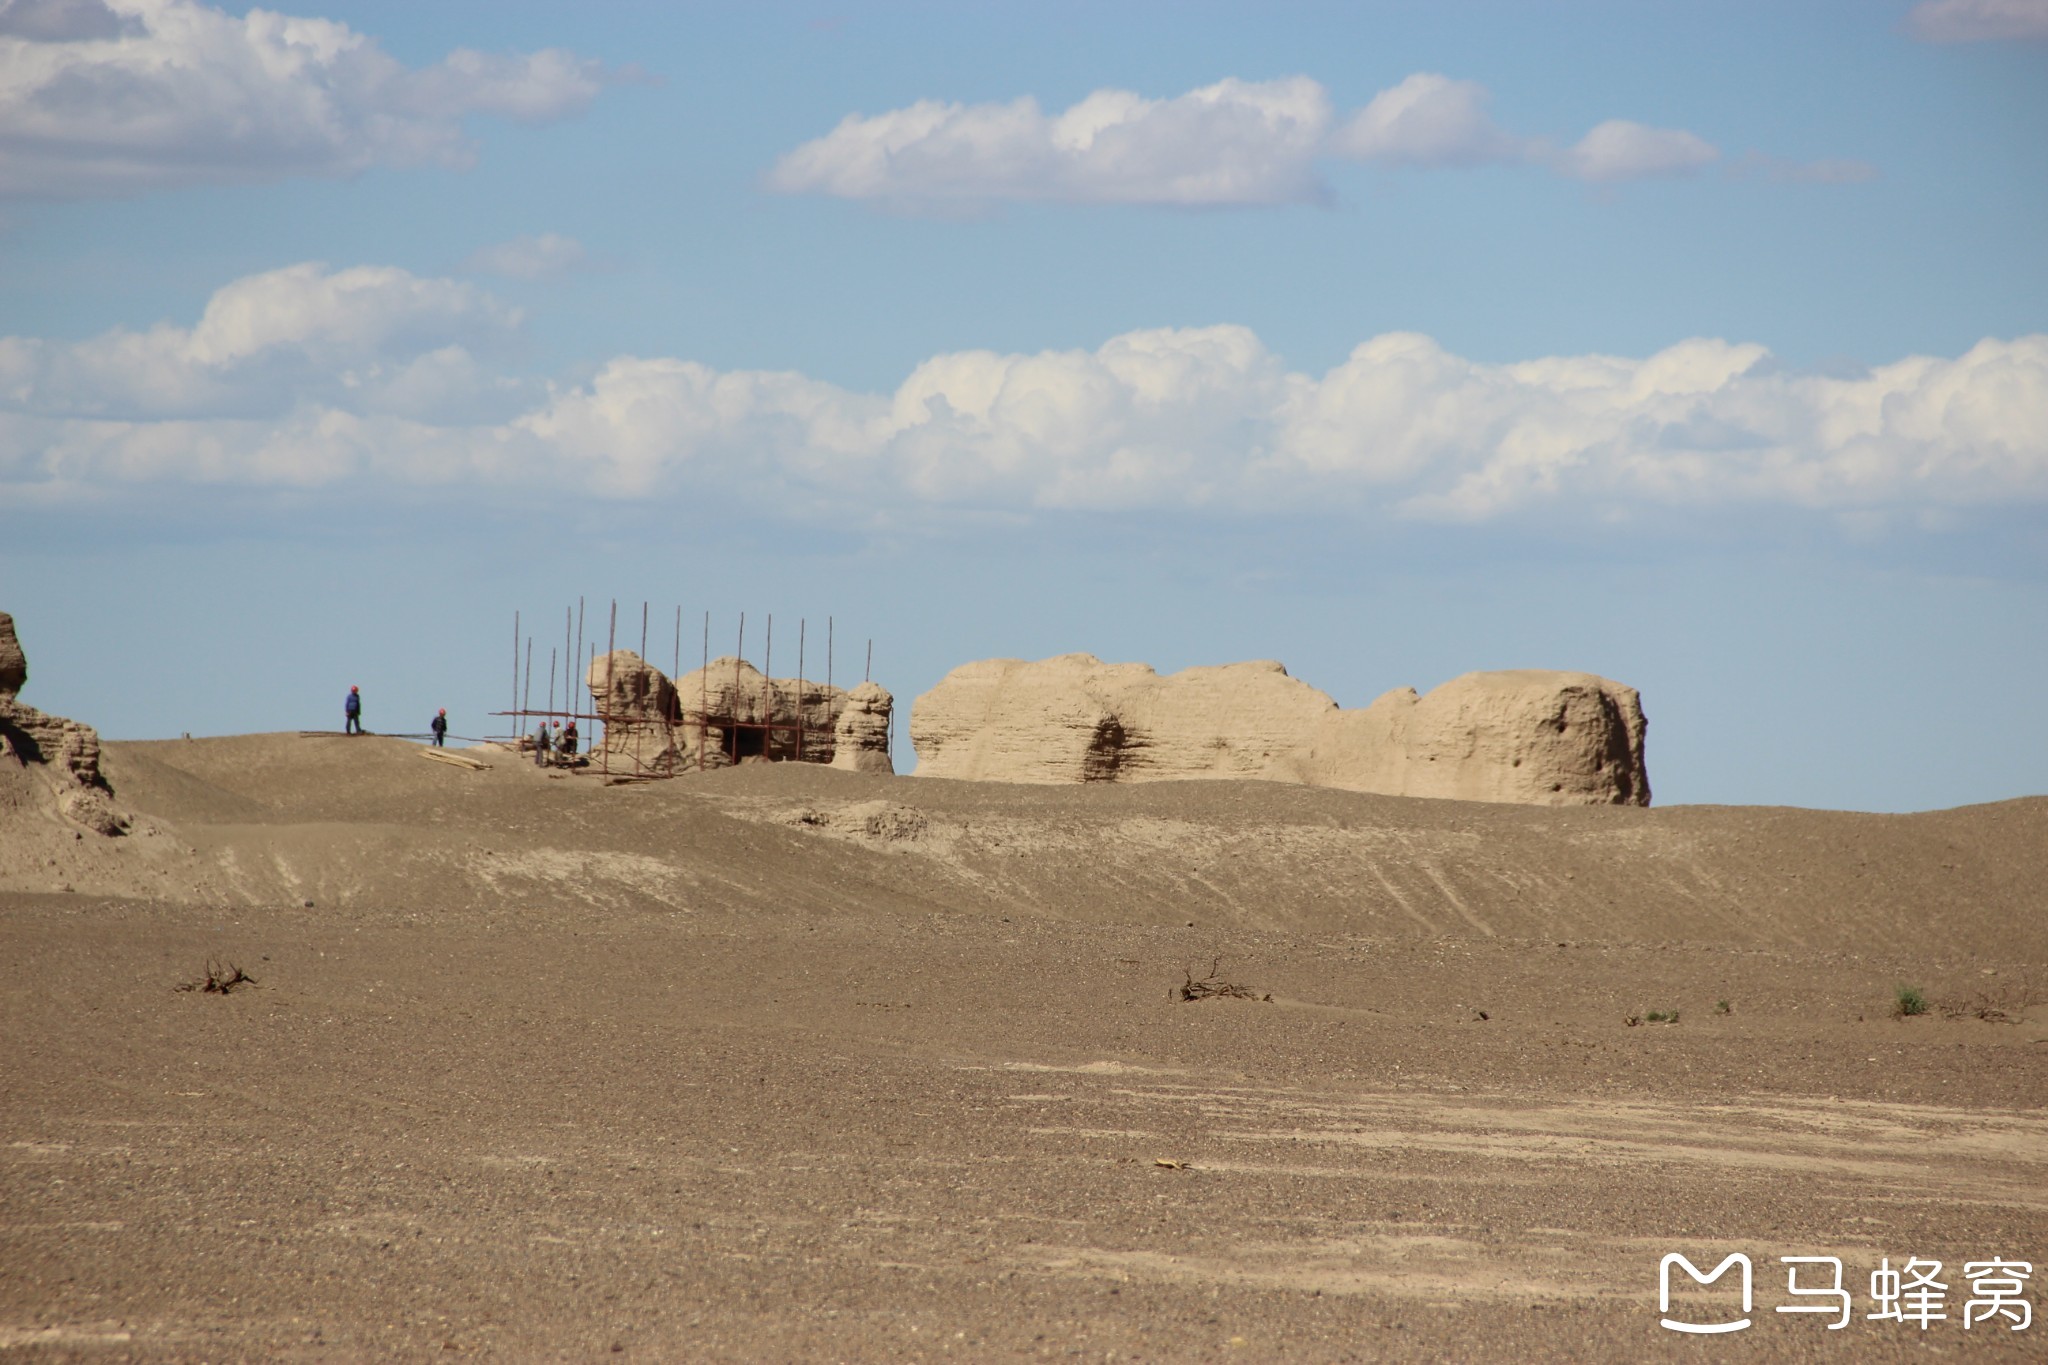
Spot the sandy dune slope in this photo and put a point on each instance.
(784, 1063)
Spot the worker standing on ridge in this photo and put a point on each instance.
(440, 728)
(540, 746)
(352, 712)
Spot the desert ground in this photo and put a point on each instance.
(783, 1063)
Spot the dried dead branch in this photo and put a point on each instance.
(220, 978)
(1214, 985)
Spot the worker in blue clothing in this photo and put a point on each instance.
(352, 712)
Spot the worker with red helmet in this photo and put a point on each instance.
(440, 728)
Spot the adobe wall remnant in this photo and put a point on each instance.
(1528, 736)
(640, 703)
(65, 754)
(729, 712)
(860, 737)
(1075, 718)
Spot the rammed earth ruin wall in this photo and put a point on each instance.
(1527, 736)
(730, 712)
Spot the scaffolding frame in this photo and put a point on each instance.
(637, 765)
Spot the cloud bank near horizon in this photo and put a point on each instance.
(313, 378)
(122, 97)
(1978, 21)
(1235, 142)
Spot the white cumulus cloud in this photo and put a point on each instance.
(368, 339)
(121, 97)
(1234, 142)
(310, 377)
(1429, 120)
(1620, 150)
(1978, 21)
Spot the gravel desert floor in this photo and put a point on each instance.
(781, 1063)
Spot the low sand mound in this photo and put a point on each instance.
(362, 825)
(1528, 736)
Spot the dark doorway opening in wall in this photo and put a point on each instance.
(745, 741)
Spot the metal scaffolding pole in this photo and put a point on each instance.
(640, 731)
(611, 647)
(739, 656)
(742, 712)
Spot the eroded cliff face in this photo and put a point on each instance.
(1527, 736)
(55, 760)
(13, 663)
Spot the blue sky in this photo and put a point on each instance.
(1698, 345)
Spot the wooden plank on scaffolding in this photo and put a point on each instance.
(456, 760)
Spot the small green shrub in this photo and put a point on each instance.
(1909, 1001)
(1662, 1016)
(1723, 1007)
